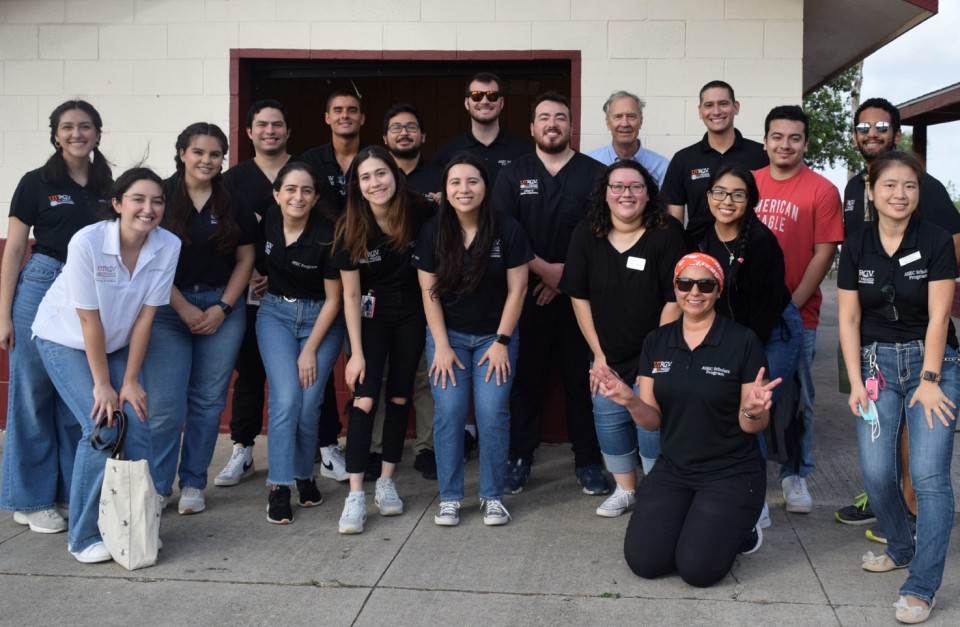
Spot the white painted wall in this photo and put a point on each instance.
(153, 66)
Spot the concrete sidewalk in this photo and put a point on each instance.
(556, 563)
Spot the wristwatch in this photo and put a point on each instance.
(225, 307)
(502, 339)
(927, 375)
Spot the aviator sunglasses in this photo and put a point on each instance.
(477, 96)
(864, 128)
(706, 286)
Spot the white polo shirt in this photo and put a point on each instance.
(94, 278)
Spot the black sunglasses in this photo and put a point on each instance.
(706, 286)
(890, 311)
(477, 96)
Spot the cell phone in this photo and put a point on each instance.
(872, 386)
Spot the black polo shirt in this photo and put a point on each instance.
(56, 211)
(298, 270)
(627, 291)
(699, 396)
(935, 205)
(247, 178)
(478, 312)
(200, 261)
(383, 268)
(926, 254)
(324, 162)
(548, 207)
(425, 178)
(685, 182)
(500, 153)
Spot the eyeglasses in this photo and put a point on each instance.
(722, 194)
(706, 286)
(889, 294)
(617, 189)
(477, 96)
(864, 128)
(410, 127)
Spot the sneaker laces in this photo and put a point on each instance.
(449, 508)
(335, 453)
(236, 461)
(496, 509)
(46, 514)
(860, 501)
(797, 487)
(388, 490)
(353, 507)
(620, 497)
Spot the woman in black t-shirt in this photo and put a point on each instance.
(56, 200)
(701, 383)
(895, 285)
(195, 339)
(619, 276)
(374, 239)
(472, 264)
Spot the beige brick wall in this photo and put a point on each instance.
(153, 66)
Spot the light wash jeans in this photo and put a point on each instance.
(620, 437)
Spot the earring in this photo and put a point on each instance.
(57, 145)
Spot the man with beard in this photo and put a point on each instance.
(345, 117)
(548, 191)
(484, 102)
(404, 135)
(876, 125)
(624, 115)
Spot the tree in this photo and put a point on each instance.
(831, 129)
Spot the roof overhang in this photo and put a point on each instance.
(839, 33)
(936, 107)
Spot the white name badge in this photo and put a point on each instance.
(909, 258)
(636, 263)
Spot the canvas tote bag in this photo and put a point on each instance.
(129, 519)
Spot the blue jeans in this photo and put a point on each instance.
(930, 454)
(783, 354)
(42, 434)
(294, 412)
(805, 370)
(491, 405)
(186, 379)
(620, 437)
(70, 372)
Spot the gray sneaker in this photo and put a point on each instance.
(42, 521)
(191, 500)
(494, 513)
(386, 498)
(354, 513)
(449, 514)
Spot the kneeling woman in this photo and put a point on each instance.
(472, 263)
(300, 332)
(93, 327)
(697, 508)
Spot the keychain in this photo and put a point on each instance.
(873, 384)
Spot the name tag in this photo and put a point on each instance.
(636, 263)
(910, 258)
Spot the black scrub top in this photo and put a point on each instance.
(926, 254)
(478, 312)
(500, 153)
(56, 211)
(935, 205)
(298, 270)
(699, 396)
(627, 291)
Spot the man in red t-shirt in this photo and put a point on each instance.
(803, 210)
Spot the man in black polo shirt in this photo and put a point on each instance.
(485, 139)
(548, 191)
(689, 171)
(345, 117)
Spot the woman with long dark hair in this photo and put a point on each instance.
(384, 316)
(473, 271)
(56, 200)
(196, 337)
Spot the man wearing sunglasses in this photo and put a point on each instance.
(485, 139)
(802, 209)
(624, 115)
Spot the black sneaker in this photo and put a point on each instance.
(469, 445)
(877, 535)
(857, 514)
(309, 494)
(373, 467)
(279, 511)
(751, 544)
(426, 464)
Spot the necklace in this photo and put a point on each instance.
(730, 252)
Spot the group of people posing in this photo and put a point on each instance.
(677, 300)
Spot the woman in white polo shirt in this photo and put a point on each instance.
(93, 327)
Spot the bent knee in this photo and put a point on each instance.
(364, 403)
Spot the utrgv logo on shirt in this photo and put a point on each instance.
(371, 256)
(661, 366)
(529, 186)
(699, 173)
(60, 199)
(268, 247)
(866, 277)
(495, 249)
(850, 205)
(106, 274)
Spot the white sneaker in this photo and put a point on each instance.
(42, 521)
(386, 498)
(191, 500)
(63, 509)
(764, 521)
(354, 513)
(494, 513)
(164, 501)
(449, 514)
(332, 464)
(239, 467)
(796, 494)
(617, 503)
(96, 552)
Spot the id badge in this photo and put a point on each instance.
(368, 303)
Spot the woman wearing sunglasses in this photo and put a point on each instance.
(702, 384)
(619, 275)
(895, 285)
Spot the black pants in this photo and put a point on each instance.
(692, 526)
(549, 336)
(397, 331)
(249, 397)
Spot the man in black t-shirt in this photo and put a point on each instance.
(548, 191)
(404, 135)
(494, 146)
(345, 117)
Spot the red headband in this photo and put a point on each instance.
(700, 260)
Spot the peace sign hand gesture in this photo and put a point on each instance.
(760, 396)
